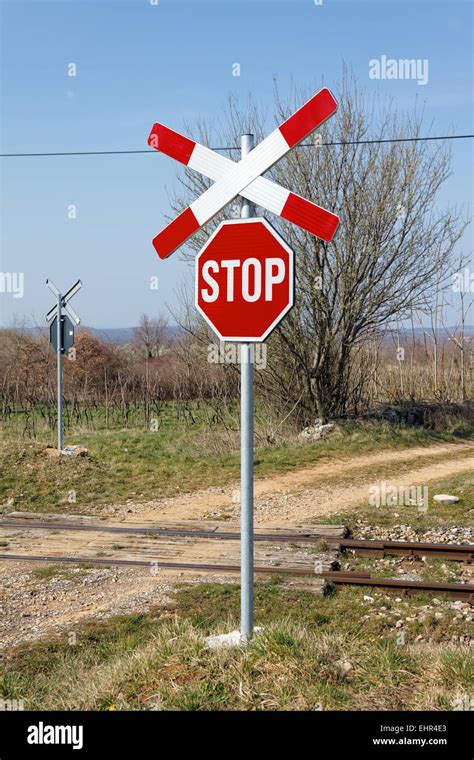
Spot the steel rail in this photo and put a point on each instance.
(367, 547)
(463, 591)
(190, 533)
(376, 548)
(154, 563)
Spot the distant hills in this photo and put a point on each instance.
(120, 336)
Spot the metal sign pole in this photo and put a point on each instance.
(246, 459)
(62, 338)
(60, 374)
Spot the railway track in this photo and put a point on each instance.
(462, 591)
(152, 563)
(159, 531)
(371, 548)
(363, 547)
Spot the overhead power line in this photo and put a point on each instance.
(229, 148)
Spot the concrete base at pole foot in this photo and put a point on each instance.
(227, 640)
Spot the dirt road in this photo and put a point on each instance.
(31, 605)
(326, 488)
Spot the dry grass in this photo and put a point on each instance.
(160, 661)
(135, 464)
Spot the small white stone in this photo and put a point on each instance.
(343, 666)
(225, 640)
(445, 498)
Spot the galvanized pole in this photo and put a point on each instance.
(246, 458)
(60, 375)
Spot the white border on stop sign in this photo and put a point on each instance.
(291, 255)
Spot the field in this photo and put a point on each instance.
(312, 655)
(179, 457)
(349, 650)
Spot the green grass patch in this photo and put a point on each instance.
(154, 662)
(437, 515)
(48, 572)
(133, 464)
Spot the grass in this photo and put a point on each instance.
(429, 570)
(437, 515)
(159, 661)
(133, 464)
(48, 572)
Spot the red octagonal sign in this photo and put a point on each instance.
(244, 280)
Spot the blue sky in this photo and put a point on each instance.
(138, 63)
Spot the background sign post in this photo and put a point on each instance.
(59, 371)
(61, 337)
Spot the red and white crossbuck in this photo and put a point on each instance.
(244, 177)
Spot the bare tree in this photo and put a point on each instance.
(457, 334)
(152, 335)
(394, 244)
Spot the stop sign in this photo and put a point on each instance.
(244, 280)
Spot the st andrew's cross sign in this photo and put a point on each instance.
(244, 273)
